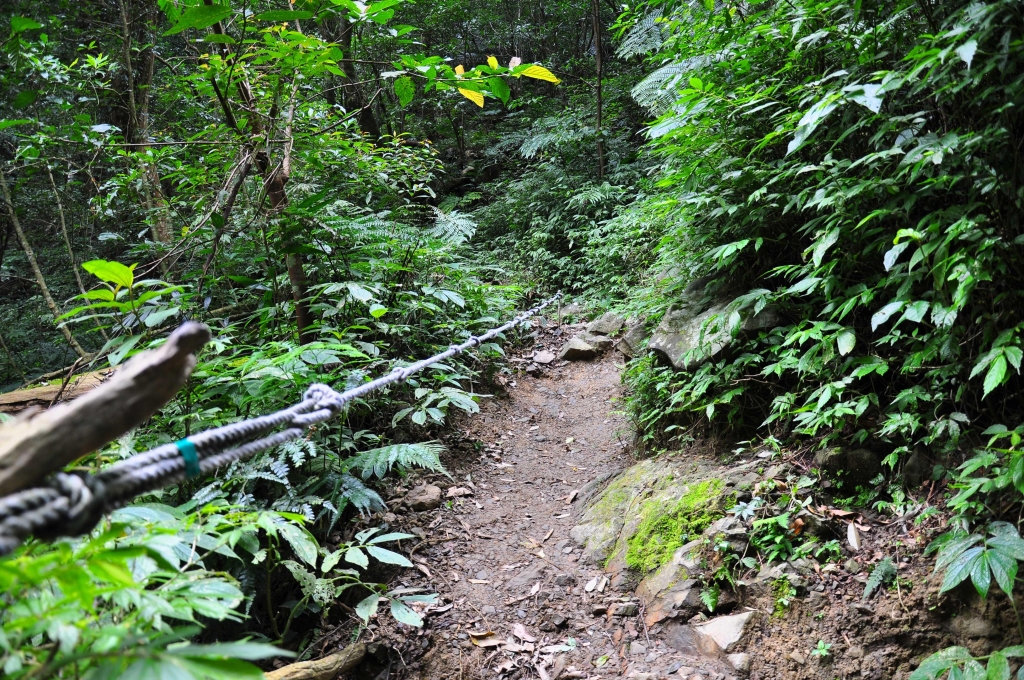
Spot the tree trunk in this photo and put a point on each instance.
(138, 132)
(353, 92)
(36, 271)
(597, 58)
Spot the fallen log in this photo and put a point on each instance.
(32, 447)
(19, 400)
(326, 668)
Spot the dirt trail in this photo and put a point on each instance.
(502, 557)
(514, 562)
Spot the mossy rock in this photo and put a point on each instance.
(665, 527)
(615, 515)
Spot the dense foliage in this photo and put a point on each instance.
(336, 187)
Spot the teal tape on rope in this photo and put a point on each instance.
(188, 451)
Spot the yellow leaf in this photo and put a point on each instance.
(540, 73)
(492, 62)
(459, 69)
(475, 97)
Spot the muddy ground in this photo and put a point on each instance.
(517, 600)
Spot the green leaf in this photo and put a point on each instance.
(384, 538)
(499, 88)
(250, 651)
(405, 90)
(357, 557)
(967, 51)
(939, 662)
(387, 556)
(279, 15)
(4, 124)
(403, 614)
(22, 24)
(1004, 570)
(368, 607)
(981, 575)
(154, 319)
(118, 355)
(998, 667)
(330, 561)
(24, 99)
(202, 16)
(845, 341)
(111, 272)
(961, 568)
(996, 374)
(302, 543)
(882, 315)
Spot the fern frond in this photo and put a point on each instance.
(351, 490)
(660, 89)
(453, 227)
(883, 573)
(378, 462)
(645, 36)
(709, 596)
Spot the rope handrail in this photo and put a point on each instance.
(72, 504)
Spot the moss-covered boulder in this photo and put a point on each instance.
(648, 511)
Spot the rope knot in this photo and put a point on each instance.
(86, 501)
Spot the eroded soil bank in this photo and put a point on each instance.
(533, 546)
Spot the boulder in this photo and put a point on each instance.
(607, 324)
(856, 467)
(423, 497)
(917, 469)
(684, 330)
(631, 341)
(726, 631)
(577, 350)
(544, 357)
(599, 342)
(741, 662)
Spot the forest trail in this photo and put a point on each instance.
(515, 596)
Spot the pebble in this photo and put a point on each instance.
(521, 613)
(488, 609)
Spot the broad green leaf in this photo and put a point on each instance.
(4, 124)
(367, 607)
(24, 99)
(998, 667)
(22, 24)
(198, 17)
(981, 575)
(279, 15)
(384, 538)
(846, 341)
(405, 90)
(387, 556)
(250, 651)
(302, 543)
(357, 557)
(967, 51)
(939, 662)
(111, 272)
(154, 319)
(961, 568)
(403, 614)
(882, 315)
(330, 561)
(499, 88)
(996, 374)
(118, 355)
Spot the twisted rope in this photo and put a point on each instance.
(72, 504)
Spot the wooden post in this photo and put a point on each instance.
(33, 447)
